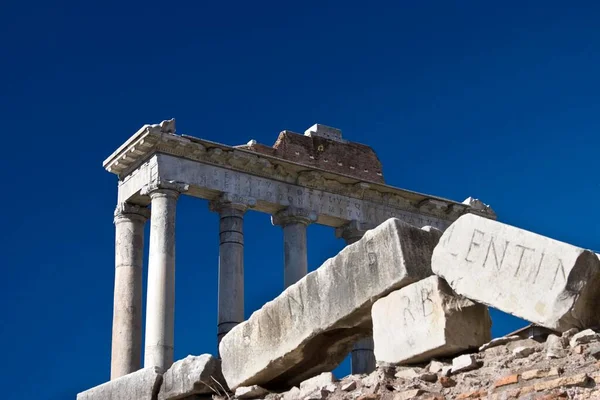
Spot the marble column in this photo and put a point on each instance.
(363, 356)
(126, 350)
(231, 211)
(160, 297)
(295, 259)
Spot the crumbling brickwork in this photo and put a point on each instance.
(343, 157)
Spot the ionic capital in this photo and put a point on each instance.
(293, 215)
(230, 201)
(353, 231)
(129, 211)
(164, 188)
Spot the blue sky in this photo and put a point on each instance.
(496, 101)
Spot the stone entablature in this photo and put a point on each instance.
(156, 152)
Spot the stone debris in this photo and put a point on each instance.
(466, 362)
(409, 394)
(316, 383)
(584, 337)
(547, 282)
(314, 323)
(140, 385)
(523, 351)
(499, 342)
(555, 347)
(594, 350)
(349, 386)
(447, 382)
(498, 376)
(428, 377)
(427, 319)
(436, 366)
(407, 373)
(250, 392)
(192, 375)
(292, 394)
(568, 334)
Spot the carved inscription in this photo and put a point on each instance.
(417, 306)
(374, 210)
(505, 256)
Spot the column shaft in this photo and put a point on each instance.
(160, 302)
(363, 356)
(126, 349)
(231, 269)
(295, 258)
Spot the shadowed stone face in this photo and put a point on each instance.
(313, 324)
(542, 280)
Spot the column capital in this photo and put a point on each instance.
(353, 230)
(168, 188)
(293, 215)
(128, 210)
(231, 201)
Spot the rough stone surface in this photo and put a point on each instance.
(314, 323)
(250, 392)
(435, 366)
(407, 373)
(523, 351)
(584, 337)
(554, 347)
(424, 320)
(500, 376)
(542, 280)
(192, 375)
(140, 385)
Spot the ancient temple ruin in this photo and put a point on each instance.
(412, 286)
(315, 177)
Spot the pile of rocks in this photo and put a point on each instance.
(422, 296)
(562, 367)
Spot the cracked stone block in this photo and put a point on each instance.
(425, 320)
(547, 282)
(313, 324)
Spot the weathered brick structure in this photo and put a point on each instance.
(323, 147)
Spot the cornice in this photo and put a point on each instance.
(161, 138)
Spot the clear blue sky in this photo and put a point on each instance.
(499, 102)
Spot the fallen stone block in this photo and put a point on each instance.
(542, 280)
(192, 375)
(314, 323)
(427, 319)
(140, 385)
